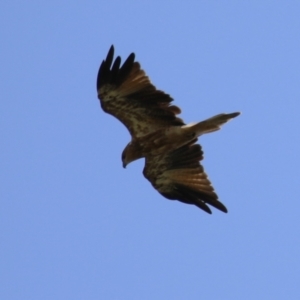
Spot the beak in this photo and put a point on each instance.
(124, 165)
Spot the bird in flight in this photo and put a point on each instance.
(169, 146)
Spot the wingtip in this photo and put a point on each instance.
(202, 205)
(207, 211)
(110, 56)
(111, 51)
(234, 115)
(222, 208)
(217, 204)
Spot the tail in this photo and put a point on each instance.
(210, 125)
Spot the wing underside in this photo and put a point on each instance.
(178, 175)
(127, 93)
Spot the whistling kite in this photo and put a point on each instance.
(157, 134)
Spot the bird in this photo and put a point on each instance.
(168, 145)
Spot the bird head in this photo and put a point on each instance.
(131, 153)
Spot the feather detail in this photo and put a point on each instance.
(178, 175)
(126, 92)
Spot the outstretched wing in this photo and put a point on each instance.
(127, 93)
(178, 175)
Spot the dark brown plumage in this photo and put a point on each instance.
(127, 93)
(172, 157)
(178, 175)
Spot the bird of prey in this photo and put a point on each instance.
(172, 156)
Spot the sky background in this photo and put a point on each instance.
(75, 225)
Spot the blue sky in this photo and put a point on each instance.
(75, 225)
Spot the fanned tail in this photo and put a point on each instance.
(210, 125)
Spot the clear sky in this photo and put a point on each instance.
(75, 225)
